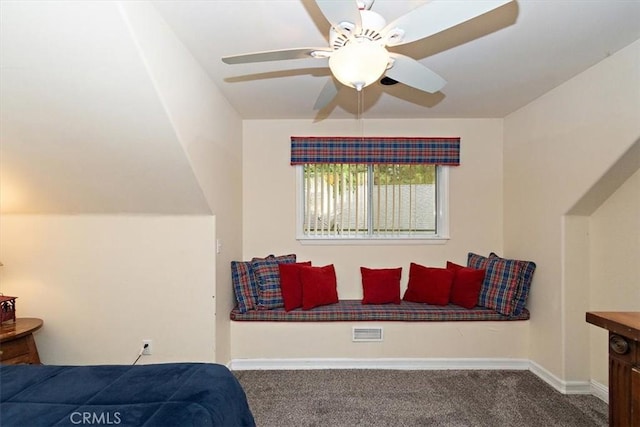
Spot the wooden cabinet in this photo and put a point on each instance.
(624, 365)
(16, 341)
(635, 395)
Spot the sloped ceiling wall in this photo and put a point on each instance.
(608, 184)
(82, 129)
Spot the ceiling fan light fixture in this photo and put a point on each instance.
(359, 63)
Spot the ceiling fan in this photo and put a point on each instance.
(359, 37)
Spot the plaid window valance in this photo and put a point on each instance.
(375, 150)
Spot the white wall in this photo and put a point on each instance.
(269, 210)
(402, 340)
(103, 283)
(269, 197)
(529, 172)
(555, 150)
(76, 105)
(149, 132)
(614, 250)
(210, 132)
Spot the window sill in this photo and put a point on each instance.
(369, 241)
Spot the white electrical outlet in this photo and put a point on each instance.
(149, 350)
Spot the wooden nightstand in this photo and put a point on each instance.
(16, 341)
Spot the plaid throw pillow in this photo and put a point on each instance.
(500, 285)
(527, 268)
(267, 275)
(244, 285)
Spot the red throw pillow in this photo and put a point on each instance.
(291, 285)
(381, 286)
(467, 283)
(429, 285)
(319, 286)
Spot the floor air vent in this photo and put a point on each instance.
(367, 334)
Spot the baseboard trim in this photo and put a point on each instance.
(398, 364)
(600, 391)
(564, 387)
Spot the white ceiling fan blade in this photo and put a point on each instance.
(412, 73)
(339, 11)
(435, 17)
(276, 55)
(328, 92)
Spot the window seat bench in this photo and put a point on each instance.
(354, 310)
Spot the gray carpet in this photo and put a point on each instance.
(413, 398)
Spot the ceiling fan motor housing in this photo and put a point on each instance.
(372, 24)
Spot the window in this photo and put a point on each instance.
(381, 201)
(361, 189)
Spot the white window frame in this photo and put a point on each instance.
(441, 236)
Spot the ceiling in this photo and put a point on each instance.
(83, 128)
(494, 64)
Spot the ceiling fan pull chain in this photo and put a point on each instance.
(360, 113)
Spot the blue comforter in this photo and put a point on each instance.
(172, 394)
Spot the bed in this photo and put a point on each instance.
(171, 394)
